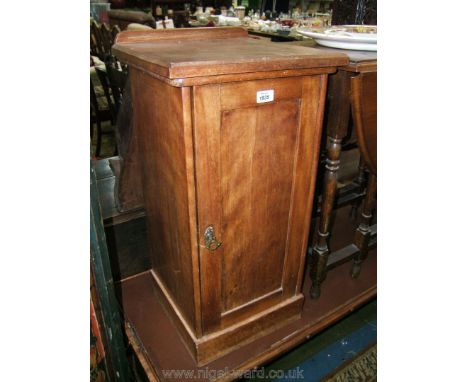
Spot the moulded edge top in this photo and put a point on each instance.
(166, 53)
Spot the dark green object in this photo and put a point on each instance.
(118, 367)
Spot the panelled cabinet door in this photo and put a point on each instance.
(255, 169)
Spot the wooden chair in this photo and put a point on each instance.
(101, 105)
(364, 111)
(99, 114)
(113, 79)
(102, 37)
(106, 38)
(106, 88)
(96, 40)
(117, 75)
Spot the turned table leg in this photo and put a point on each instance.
(363, 232)
(337, 126)
(321, 250)
(361, 182)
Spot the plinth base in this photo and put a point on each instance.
(163, 354)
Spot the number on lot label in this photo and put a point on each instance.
(265, 96)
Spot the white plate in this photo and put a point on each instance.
(338, 37)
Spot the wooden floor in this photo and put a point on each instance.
(161, 350)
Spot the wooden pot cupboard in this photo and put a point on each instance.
(228, 130)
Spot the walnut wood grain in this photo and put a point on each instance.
(250, 158)
(213, 157)
(207, 142)
(314, 92)
(159, 126)
(258, 145)
(178, 57)
(179, 34)
(238, 77)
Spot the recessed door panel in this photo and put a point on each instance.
(257, 161)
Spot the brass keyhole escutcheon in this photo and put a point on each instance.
(211, 243)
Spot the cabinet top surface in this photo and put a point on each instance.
(198, 52)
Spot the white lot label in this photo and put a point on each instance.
(265, 96)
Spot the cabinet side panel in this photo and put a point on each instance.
(313, 98)
(159, 124)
